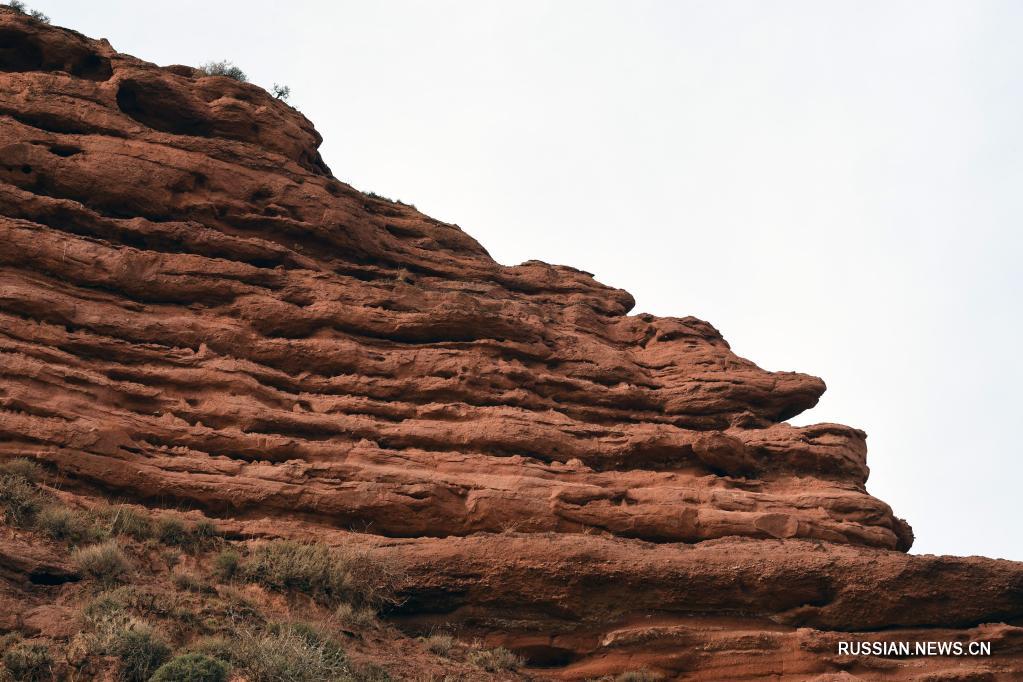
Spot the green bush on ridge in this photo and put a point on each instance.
(224, 68)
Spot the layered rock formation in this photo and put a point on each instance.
(195, 312)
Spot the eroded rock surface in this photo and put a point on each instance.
(194, 311)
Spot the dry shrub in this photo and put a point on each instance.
(22, 467)
(293, 652)
(28, 663)
(125, 520)
(20, 498)
(62, 523)
(638, 676)
(494, 660)
(332, 575)
(440, 644)
(227, 564)
(104, 562)
(171, 531)
(129, 598)
(137, 646)
(354, 617)
(189, 582)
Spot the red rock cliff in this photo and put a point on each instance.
(194, 312)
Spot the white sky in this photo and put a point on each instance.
(836, 185)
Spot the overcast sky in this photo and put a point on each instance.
(837, 186)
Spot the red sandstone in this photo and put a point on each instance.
(193, 311)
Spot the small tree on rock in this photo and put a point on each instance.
(281, 92)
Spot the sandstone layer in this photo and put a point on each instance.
(195, 313)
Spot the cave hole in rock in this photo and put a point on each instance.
(159, 107)
(21, 51)
(64, 150)
(48, 578)
(18, 52)
(92, 67)
(541, 656)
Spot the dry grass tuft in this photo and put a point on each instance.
(104, 562)
(125, 520)
(494, 660)
(23, 468)
(19, 499)
(71, 525)
(329, 574)
(227, 564)
(441, 644)
(27, 663)
(137, 646)
(292, 652)
(354, 617)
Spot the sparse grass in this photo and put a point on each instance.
(28, 663)
(106, 604)
(205, 533)
(171, 557)
(638, 676)
(189, 582)
(137, 646)
(19, 499)
(494, 660)
(104, 562)
(140, 650)
(371, 673)
(236, 608)
(227, 564)
(224, 68)
(22, 466)
(192, 667)
(171, 531)
(295, 653)
(286, 652)
(354, 617)
(440, 644)
(125, 520)
(121, 622)
(381, 197)
(126, 599)
(71, 525)
(331, 575)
